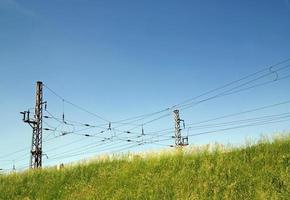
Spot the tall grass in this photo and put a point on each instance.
(259, 171)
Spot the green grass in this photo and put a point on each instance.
(259, 171)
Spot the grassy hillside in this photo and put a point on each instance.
(260, 171)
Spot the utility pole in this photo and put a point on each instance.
(179, 140)
(36, 124)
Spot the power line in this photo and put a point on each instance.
(20, 150)
(269, 68)
(236, 127)
(218, 118)
(75, 105)
(185, 104)
(225, 93)
(92, 145)
(241, 126)
(234, 82)
(73, 122)
(155, 142)
(242, 112)
(226, 116)
(211, 98)
(263, 118)
(126, 146)
(266, 119)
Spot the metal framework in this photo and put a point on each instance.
(36, 147)
(36, 124)
(179, 140)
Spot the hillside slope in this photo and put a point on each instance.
(260, 171)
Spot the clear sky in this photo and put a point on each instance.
(125, 58)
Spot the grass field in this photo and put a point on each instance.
(259, 171)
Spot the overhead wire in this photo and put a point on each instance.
(75, 105)
(184, 104)
(209, 91)
(244, 112)
(224, 93)
(270, 69)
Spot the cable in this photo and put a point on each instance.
(225, 93)
(238, 127)
(264, 118)
(210, 91)
(9, 154)
(221, 94)
(258, 120)
(234, 127)
(185, 104)
(127, 147)
(188, 106)
(233, 82)
(74, 105)
(218, 118)
(242, 112)
(260, 123)
(75, 123)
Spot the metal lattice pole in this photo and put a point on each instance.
(36, 147)
(36, 124)
(178, 140)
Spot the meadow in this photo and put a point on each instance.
(253, 171)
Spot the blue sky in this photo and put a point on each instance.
(125, 58)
